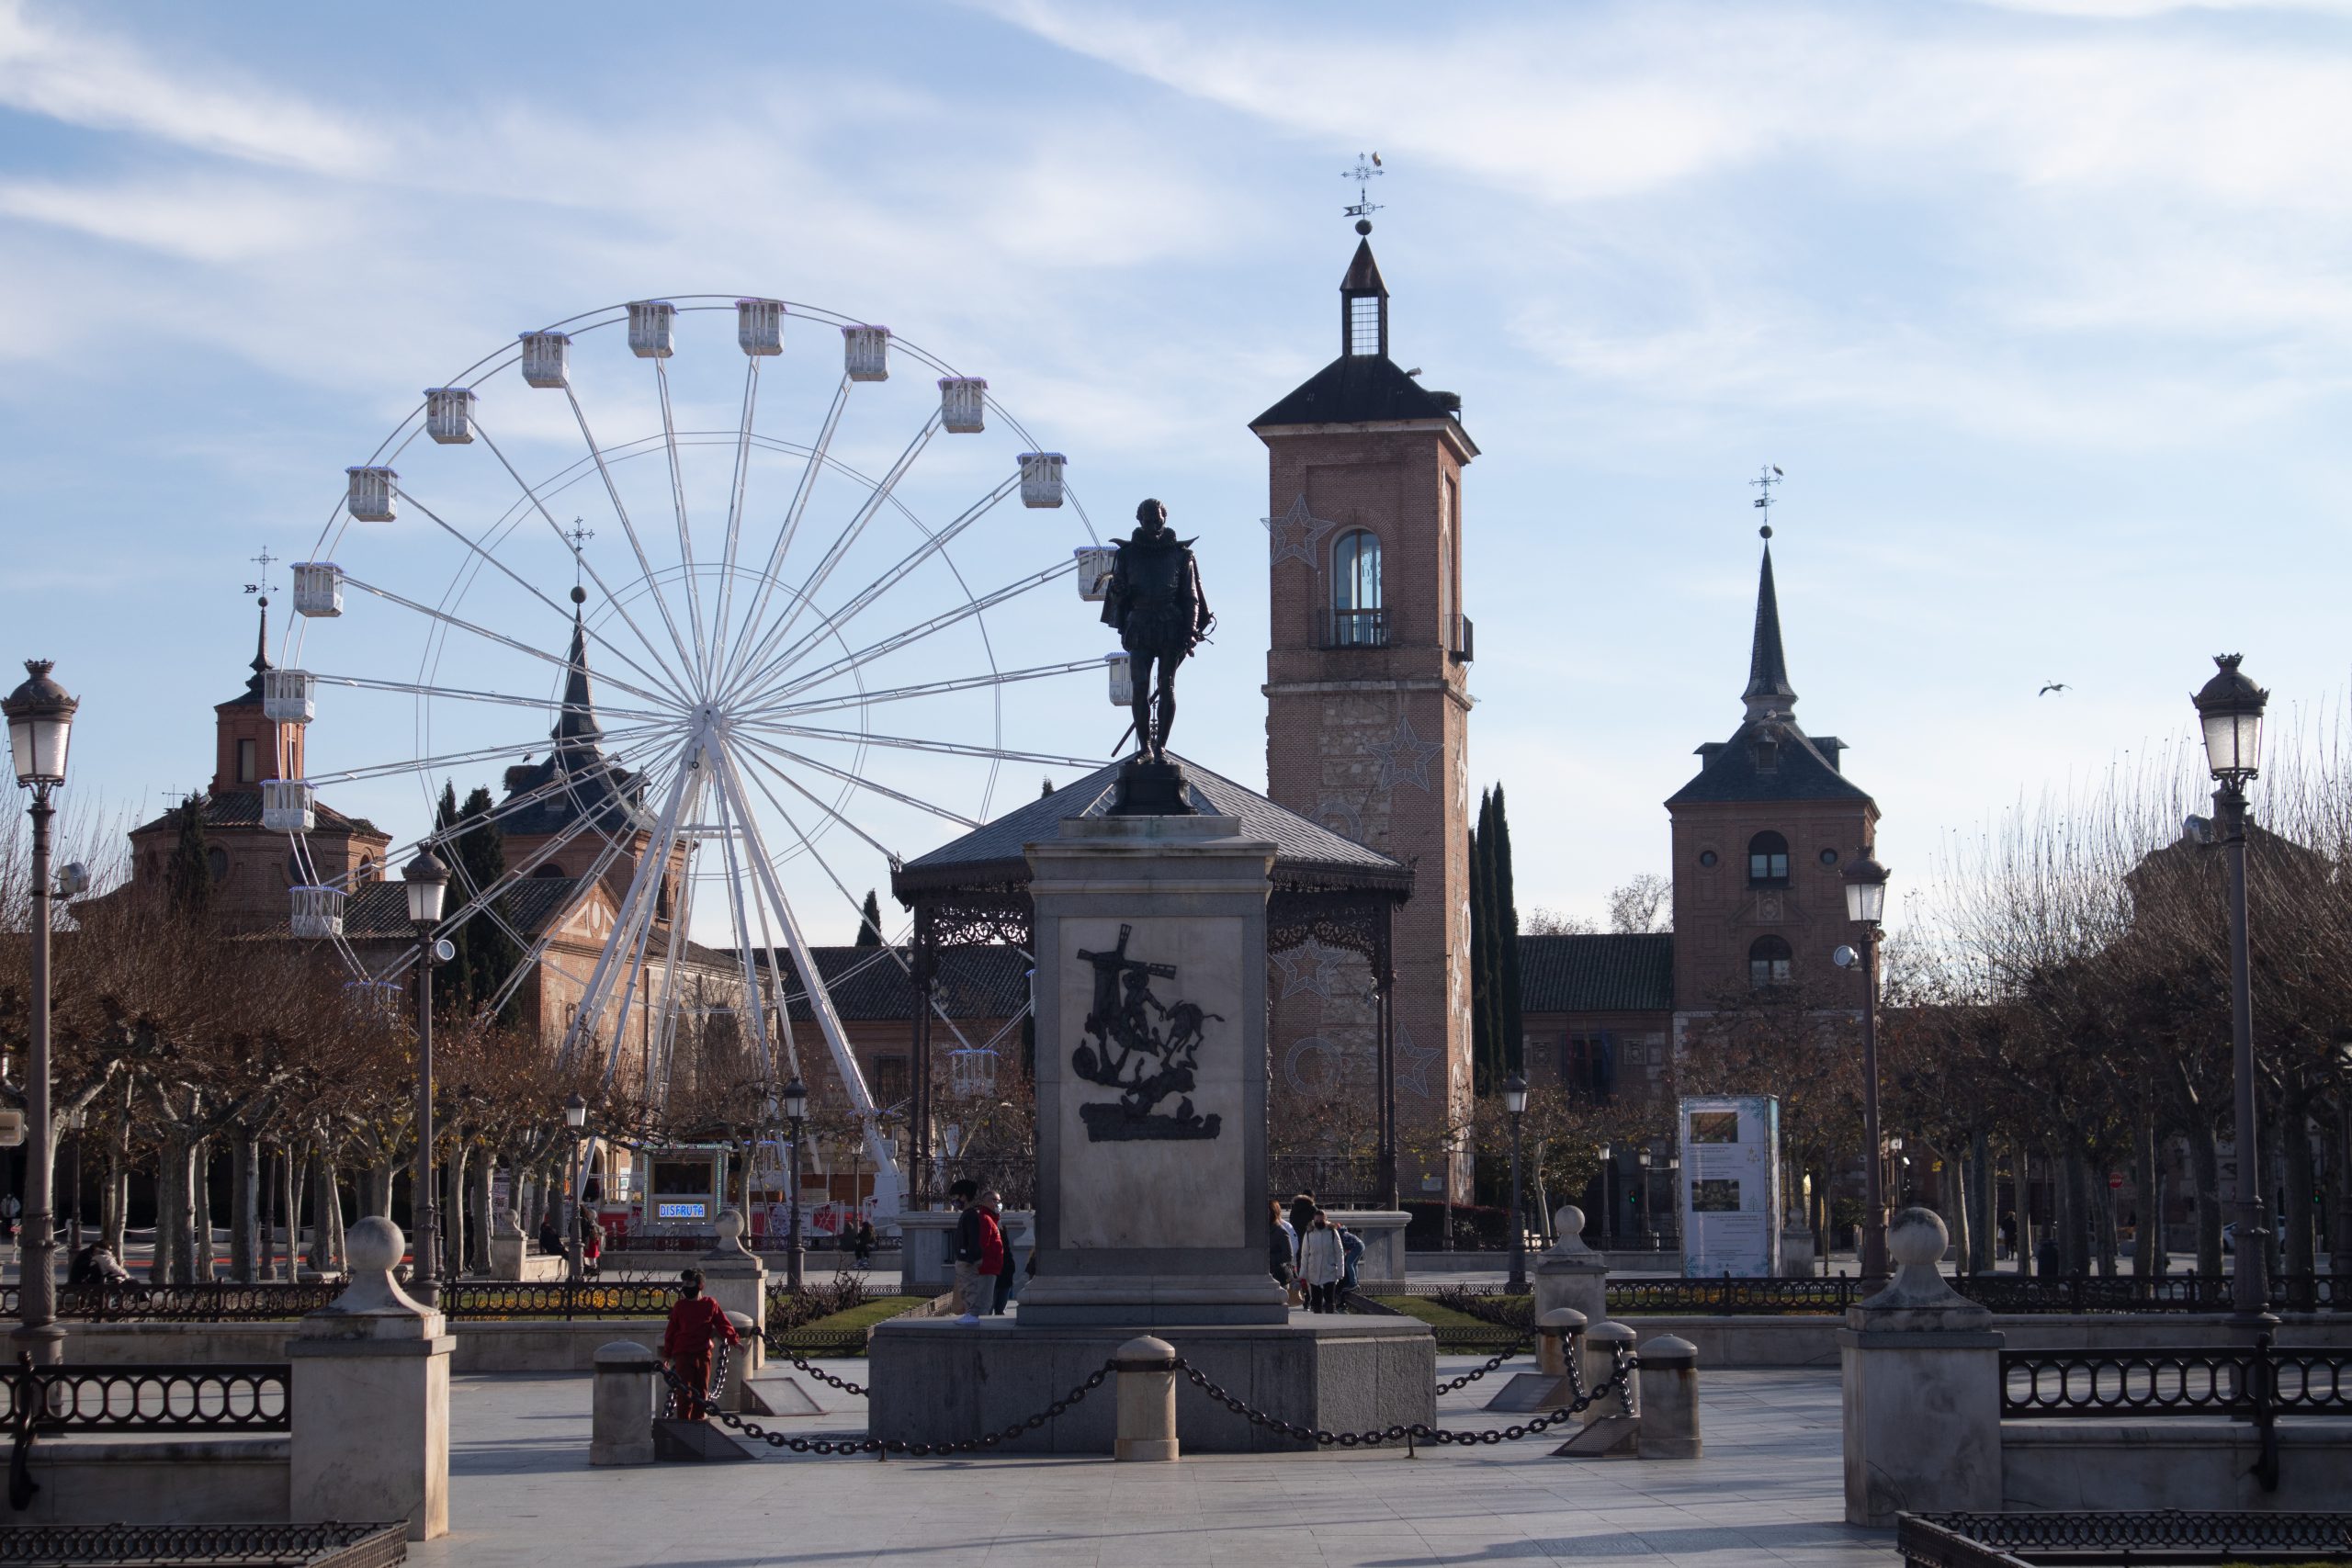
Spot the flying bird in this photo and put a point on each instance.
(1376, 160)
(2052, 686)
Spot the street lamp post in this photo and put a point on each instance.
(796, 1110)
(1866, 907)
(1515, 1102)
(2230, 709)
(1642, 1157)
(1606, 1154)
(40, 724)
(575, 1117)
(73, 1121)
(425, 879)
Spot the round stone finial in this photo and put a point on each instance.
(1567, 1220)
(1765, 532)
(579, 594)
(730, 1225)
(1364, 225)
(373, 1244)
(1917, 1236)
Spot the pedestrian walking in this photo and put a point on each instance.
(966, 1194)
(996, 1253)
(1321, 1261)
(865, 1241)
(1282, 1246)
(697, 1323)
(2010, 1233)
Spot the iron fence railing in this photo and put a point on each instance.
(2201, 1380)
(470, 1299)
(1634, 1298)
(1351, 628)
(253, 1545)
(2155, 1535)
(156, 1397)
(217, 1302)
(2010, 1294)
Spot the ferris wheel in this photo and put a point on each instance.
(732, 614)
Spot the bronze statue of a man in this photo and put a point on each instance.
(1156, 602)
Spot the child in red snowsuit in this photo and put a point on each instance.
(695, 1322)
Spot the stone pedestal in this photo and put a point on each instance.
(1151, 1164)
(1570, 1274)
(738, 1281)
(1797, 1261)
(508, 1246)
(1670, 1399)
(371, 1399)
(621, 1426)
(1380, 1270)
(1921, 1367)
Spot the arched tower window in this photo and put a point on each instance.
(1768, 860)
(1357, 619)
(1768, 961)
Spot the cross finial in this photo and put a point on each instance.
(1763, 483)
(262, 560)
(1367, 170)
(579, 533)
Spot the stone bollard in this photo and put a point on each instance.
(742, 1360)
(370, 1403)
(1600, 1345)
(1559, 1336)
(1670, 1398)
(734, 1277)
(1921, 1369)
(1147, 1382)
(627, 1376)
(1570, 1274)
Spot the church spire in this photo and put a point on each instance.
(1768, 694)
(577, 727)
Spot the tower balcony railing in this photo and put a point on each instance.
(1353, 628)
(1461, 639)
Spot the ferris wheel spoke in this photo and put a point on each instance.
(745, 942)
(818, 460)
(453, 759)
(470, 694)
(592, 999)
(864, 597)
(784, 709)
(462, 624)
(923, 628)
(511, 575)
(937, 748)
(685, 532)
(812, 982)
(841, 547)
(751, 753)
(735, 493)
(620, 511)
(870, 785)
(677, 680)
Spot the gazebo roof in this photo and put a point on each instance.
(1306, 856)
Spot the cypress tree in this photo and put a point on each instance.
(1503, 951)
(869, 921)
(490, 954)
(187, 875)
(1482, 996)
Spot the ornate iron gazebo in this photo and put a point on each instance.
(974, 891)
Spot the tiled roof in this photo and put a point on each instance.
(1615, 973)
(1305, 853)
(1358, 388)
(870, 984)
(241, 809)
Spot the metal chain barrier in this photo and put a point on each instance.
(1619, 1383)
(1467, 1379)
(818, 1372)
(689, 1399)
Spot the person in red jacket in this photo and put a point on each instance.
(696, 1324)
(996, 1258)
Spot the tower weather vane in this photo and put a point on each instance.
(579, 533)
(1764, 481)
(1367, 170)
(262, 560)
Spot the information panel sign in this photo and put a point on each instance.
(1731, 1186)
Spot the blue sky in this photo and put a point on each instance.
(2043, 309)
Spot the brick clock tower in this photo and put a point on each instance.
(1368, 705)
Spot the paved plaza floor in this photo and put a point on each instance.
(1767, 1492)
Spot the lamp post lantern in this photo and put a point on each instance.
(796, 1110)
(40, 725)
(2229, 707)
(425, 879)
(1866, 907)
(1515, 1102)
(575, 1117)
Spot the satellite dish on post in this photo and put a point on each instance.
(1844, 958)
(444, 951)
(2197, 829)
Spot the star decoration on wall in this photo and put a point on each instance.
(1297, 532)
(1404, 757)
(1306, 967)
(1412, 1063)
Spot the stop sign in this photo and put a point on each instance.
(2113, 1180)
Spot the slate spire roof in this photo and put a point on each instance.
(251, 695)
(593, 785)
(1361, 389)
(1769, 756)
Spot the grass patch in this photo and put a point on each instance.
(843, 1332)
(1431, 1313)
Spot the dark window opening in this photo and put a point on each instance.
(1768, 860)
(1768, 960)
(248, 763)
